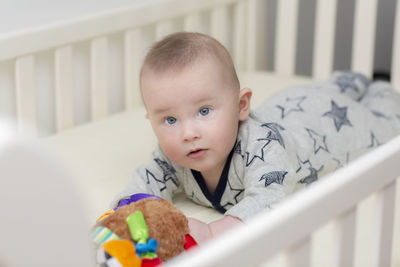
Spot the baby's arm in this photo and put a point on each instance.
(202, 232)
(159, 177)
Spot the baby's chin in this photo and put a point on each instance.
(197, 161)
(196, 166)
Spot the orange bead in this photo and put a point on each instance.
(124, 251)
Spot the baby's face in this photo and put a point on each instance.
(194, 113)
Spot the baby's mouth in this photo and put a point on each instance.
(196, 153)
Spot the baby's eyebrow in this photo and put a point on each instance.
(161, 110)
(203, 99)
(200, 100)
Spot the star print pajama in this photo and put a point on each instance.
(290, 141)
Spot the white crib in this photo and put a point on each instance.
(72, 88)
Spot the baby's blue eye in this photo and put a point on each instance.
(170, 120)
(204, 111)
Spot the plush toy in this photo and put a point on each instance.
(143, 231)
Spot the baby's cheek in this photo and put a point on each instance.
(167, 147)
(226, 131)
(170, 148)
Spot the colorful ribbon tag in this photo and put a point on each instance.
(137, 225)
(102, 234)
(134, 198)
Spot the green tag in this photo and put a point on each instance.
(137, 226)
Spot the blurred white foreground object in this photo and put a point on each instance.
(42, 221)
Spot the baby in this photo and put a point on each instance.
(242, 162)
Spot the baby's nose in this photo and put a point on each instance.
(190, 132)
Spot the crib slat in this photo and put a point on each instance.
(239, 45)
(364, 36)
(251, 49)
(384, 226)
(192, 23)
(300, 253)
(286, 38)
(345, 236)
(395, 73)
(64, 88)
(219, 24)
(7, 91)
(132, 68)
(164, 28)
(99, 77)
(26, 95)
(324, 38)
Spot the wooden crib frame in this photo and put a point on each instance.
(48, 56)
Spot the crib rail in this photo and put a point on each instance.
(68, 73)
(290, 225)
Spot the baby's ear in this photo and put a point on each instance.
(244, 103)
(147, 115)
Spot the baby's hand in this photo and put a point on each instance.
(202, 232)
(199, 230)
(222, 225)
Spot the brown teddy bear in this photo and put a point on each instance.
(165, 223)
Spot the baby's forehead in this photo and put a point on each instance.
(207, 66)
(177, 66)
(195, 83)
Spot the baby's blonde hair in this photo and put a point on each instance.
(179, 50)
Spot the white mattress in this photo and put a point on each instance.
(105, 153)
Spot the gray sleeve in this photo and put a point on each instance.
(258, 199)
(159, 177)
(267, 181)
